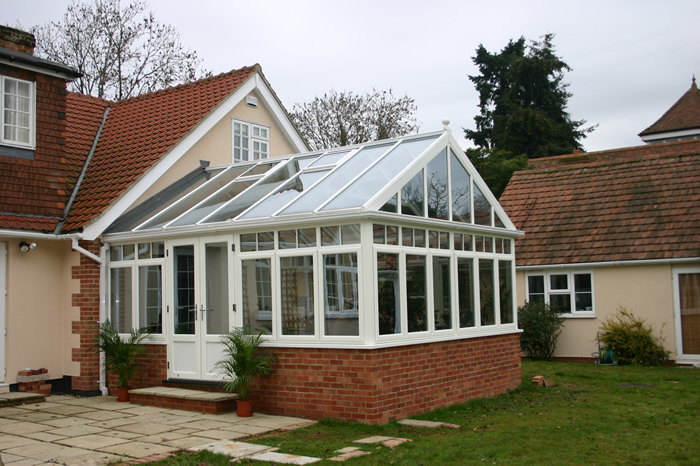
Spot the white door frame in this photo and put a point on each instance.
(680, 357)
(192, 356)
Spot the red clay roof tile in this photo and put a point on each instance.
(627, 204)
(138, 133)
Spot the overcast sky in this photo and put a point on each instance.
(631, 60)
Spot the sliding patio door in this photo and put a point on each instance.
(686, 291)
(200, 304)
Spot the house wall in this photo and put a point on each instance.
(38, 312)
(216, 145)
(644, 290)
(381, 385)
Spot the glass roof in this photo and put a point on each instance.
(325, 181)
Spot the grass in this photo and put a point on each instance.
(594, 415)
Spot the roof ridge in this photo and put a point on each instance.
(197, 82)
(91, 97)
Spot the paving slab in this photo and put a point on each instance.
(347, 450)
(99, 415)
(47, 451)
(349, 455)
(7, 412)
(218, 434)
(114, 423)
(14, 441)
(164, 437)
(35, 416)
(76, 431)
(427, 424)
(64, 422)
(395, 442)
(120, 434)
(204, 425)
(67, 410)
(145, 428)
(371, 440)
(275, 422)
(284, 458)
(93, 459)
(246, 429)
(137, 449)
(233, 449)
(187, 442)
(21, 428)
(91, 442)
(44, 436)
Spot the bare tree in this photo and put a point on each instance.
(341, 119)
(121, 52)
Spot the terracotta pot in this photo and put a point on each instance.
(244, 408)
(122, 394)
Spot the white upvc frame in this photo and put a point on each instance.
(570, 290)
(134, 264)
(252, 140)
(680, 356)
(3, 299)
(32, 117)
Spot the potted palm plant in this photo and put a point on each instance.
(122, 356)
(243, 359)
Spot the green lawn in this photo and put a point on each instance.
(594, 415)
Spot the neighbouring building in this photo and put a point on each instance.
(616, 228)
(382, 273)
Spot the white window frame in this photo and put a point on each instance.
(32, 117)
(257, 143)
(569, 290)
(135, 264)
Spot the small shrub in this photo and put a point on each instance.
(633, 340)
(541, 325)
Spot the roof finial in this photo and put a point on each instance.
(445, 123)
(694, 86)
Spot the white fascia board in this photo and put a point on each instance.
(279, 114)
(36, 69)
(628, 263)
(158, 169)
(671, 134)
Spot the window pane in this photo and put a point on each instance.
(128, 250)
(392, 235)
(388, 300)
(287, 239)
(434, 239)
(330, 236)
(351, 233)
(284, 195)
(505, 285)
(438, 195)
(583, 292)
(465, 288)
(482, 208)
(120, 299)
(419, 236)
(535, 288)
(406, 236)
(184, 280)
(412, 196)
(442, 293)
(144, 250)
(341, 315)
(297, 293)
(560, 302)
(307, 237)
(416, 293)
(458, 242)
(216, 308)
(486, 295)
(257, 295)
(582, 282)
(266, 241)
(392, 205)
(689, 297)
(444, 240)
(249, 242)
(150, 298)
(559, 282)
(115, 253)
(379, 233)
(158, 249)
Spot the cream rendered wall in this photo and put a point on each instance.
(645, 290)
(216, 145)
(39, 312)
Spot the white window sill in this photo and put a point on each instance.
(580, 315)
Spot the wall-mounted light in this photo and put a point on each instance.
(26, 247)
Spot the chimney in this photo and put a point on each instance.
(17, 40)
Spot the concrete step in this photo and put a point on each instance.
(20, 398)
(182, 398)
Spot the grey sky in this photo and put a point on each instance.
(631, 60)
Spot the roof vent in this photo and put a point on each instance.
(251, 101)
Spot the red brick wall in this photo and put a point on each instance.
(88, 301)
(153, 371)
(378, 386)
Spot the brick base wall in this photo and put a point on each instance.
(378, 386)
(153, 370)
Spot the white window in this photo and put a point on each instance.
(18, 112)
(571, 292)
(250, 141)
(136, 287)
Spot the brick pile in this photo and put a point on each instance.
(34, 381)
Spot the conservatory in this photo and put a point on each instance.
(381, 273)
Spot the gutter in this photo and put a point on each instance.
(585, 265)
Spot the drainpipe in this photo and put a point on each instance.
(102, 261)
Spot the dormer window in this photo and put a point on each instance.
(250, 141)
(18, 114)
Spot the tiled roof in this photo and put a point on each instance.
(84, 115)
(139, 132)
(28, 222)
(630, 204)
(683, 115)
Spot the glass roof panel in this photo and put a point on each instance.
(285, 194)
(265, 186)
(482, 208)
(210, 205)
(186, 203)
(315, 196)
(379, 175)
(461, 200)
(330, 158)
(260, 168)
